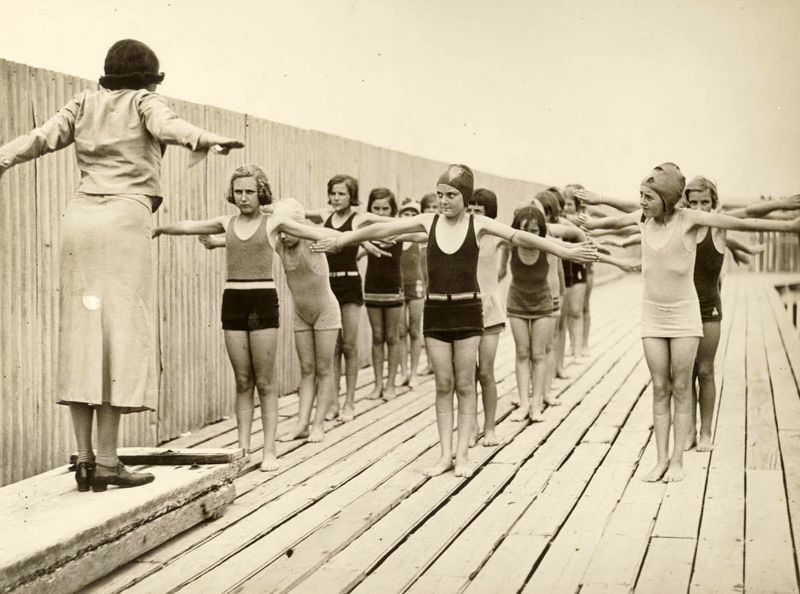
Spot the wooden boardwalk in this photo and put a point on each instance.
(557, 507)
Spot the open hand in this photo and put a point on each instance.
(210, 242)
(582, 252)
(374, 249)
(329, 245)
(587, 197)
(222, 144)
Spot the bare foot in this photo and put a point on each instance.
(705, 445)
(389, 393)
(515, 401)
(536, 416)
(691, 441)
(674, 473)
(473, 437)
(297, 432)
(657, 473)
(441, 467)
(317, 435)
(427, 371)
(376, 393)
(561, 374)
(463, 468)
(411, 380)
(333, 412)
(489, 438)
(269, 463)
(552, 401)
(519, 415)
(348, 413)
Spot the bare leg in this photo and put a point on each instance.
(575, 301)
(487, 351)
(560, 343)
(351, 315)
(392, 317)
(465, 353)
(415, 307)
(304, 345)
(521, 331)
(682, 355)
(541, 343)
(402, 341)
(82, 416)
(657, 354)
(441, 357)
(706, 353)
(376, 322)
(238, 345)
(324, 346)
(263, 345)
(587, 310)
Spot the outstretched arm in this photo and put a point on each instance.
(722, 221)
(618, 222)
(302, 230)
(582, 252)
(567, 232)
(735, 245)
(626, 264)
(588, 197)
(377, 231)
(207, 227)
(764, 207)
(624, 241)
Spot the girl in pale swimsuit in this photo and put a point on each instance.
(453, 319)
(484, 202)
(671, 322)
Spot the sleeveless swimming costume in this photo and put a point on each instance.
(383, 283)
(529, 294)
(344, 276)
(494, 315)
(670, 308)
(250, 301)
(453, 309)
(707, 268)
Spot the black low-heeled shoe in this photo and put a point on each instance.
(120, 476)
(84, 475)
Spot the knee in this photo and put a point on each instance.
(349, 349)
(308, 368)
(465, 387)
(377, 339)
(445, 385)
(244, 382)
(486, 376)
(523, 352)
(265, 386)
(392, 338)
(661, 390)
(705, 371)
(413, 332)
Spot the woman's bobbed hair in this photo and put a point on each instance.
(550, 203)
(382, 194)
(569, 191)
(427, 201)
(487, 199)
(349, 182)
(700, 184)
(262, 183)
(130, 64)
(525, 214)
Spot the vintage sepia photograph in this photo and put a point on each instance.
(388, 296)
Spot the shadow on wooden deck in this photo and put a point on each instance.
(556, 507)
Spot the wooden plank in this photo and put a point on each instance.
(174, 456)
(768, 549)
(667, 566)
(680, 511)
(763, 452)
(44, 545)
(719, 560)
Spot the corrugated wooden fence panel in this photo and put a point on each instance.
(196, 383)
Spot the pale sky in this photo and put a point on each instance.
(552, 91)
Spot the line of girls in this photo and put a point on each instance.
(683, 238)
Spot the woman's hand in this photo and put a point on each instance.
(330, 245)
(221, 144)
(584, 221)
(630, 264)
(373, 249)
(582, 252)
(156, 232)
(587, 197)
(211, 242)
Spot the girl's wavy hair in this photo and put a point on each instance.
(130, 64)
(382, 194)
(262, 183)
(700, 184)
(349, 182)
(487, 199)
(525, 214)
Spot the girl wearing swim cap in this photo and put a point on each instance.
(453, 319)
(671, 321)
